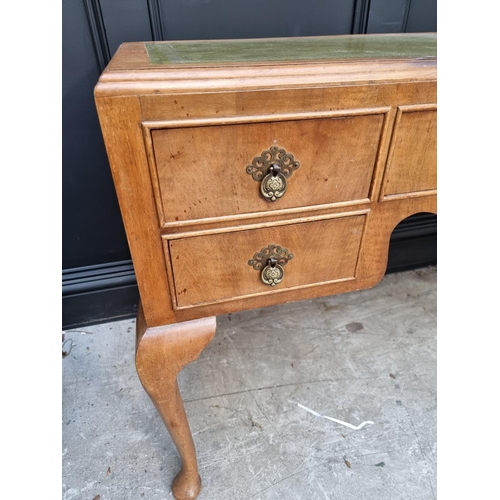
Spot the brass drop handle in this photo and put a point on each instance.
(270, 261)
(273, 273)
(272, 168)
(273, 185)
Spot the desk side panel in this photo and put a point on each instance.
(120, 119)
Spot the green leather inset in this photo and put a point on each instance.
(393, 46)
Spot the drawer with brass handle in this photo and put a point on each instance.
(239, 263)
(224, 170)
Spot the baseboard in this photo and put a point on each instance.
(413, 244)
(98, 294)
(108, 292)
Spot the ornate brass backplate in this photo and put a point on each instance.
(272, 168)
(270, 261)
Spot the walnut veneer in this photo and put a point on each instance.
(202, 137)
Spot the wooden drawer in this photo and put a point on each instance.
(215, 267)
(201, 172)
(412, 162)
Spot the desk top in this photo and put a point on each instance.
(215, 65)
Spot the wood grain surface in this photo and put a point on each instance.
(412, 162)
(212, 268)
(202, 170)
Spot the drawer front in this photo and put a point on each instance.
(224, 266)
(412, 162)
(206, 171)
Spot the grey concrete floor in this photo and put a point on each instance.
(368, 355)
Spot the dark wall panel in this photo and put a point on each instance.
(214, 19)
(422, 16)
(387, 16)
(125, 21)
(397, 16)
(92, 228)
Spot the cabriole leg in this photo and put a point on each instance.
(161, 354)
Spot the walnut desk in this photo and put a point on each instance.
(255, 172)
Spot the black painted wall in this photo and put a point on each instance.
(98, 278)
